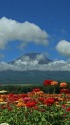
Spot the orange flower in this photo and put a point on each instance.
(60, 99)
(20, 104)
(54, 83)
(1, 100)
(63, 84)
(40, 92)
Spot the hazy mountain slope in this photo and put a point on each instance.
(36, 77)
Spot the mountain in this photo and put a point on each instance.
(32, 77)
(34, 68)
(40, 58)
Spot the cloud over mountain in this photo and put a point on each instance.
(63, 47)
(11, 30)
(26, 63)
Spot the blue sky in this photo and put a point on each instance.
(52, 16)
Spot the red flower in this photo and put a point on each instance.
(36, 90)
(47, 82)
(10, 95)
(9, 108)
(68, 109)
(66, 91)
(56, 99)
(30, 104)
(49, 101)
(23, 95)
(41, 99)
(3, 107)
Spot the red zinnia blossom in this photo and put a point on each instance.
(15, 97)
(36, 90)
(30, 104)
(47, 82)
(9, 108)
(66, 91)
(68, 109)
(41, 99)
(10, 95)
(23, 95)
(3, 107)
(49, 101)
(55, 99)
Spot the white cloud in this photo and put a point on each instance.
(27, 64)
(40, 57)
(63, 47)
(11, 30)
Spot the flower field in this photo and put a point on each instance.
(36, 107)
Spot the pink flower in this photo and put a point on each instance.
(26, 99)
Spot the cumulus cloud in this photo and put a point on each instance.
(40, 57)
(11, 30)
(63, 47)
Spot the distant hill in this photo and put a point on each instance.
(32, 77)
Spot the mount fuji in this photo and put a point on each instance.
(32, 57)
(34, 68)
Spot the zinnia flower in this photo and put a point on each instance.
(9, 108)
(23, 95)
(63, 84)
(36, 90)
(66, 91)
(54, 83)
(49, 101)
(30, 104)
(3, 107)
(68, 109)
(47, 82)
(41, 99)
(26, 99)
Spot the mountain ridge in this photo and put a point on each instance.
(32, 56)
(32, 77)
